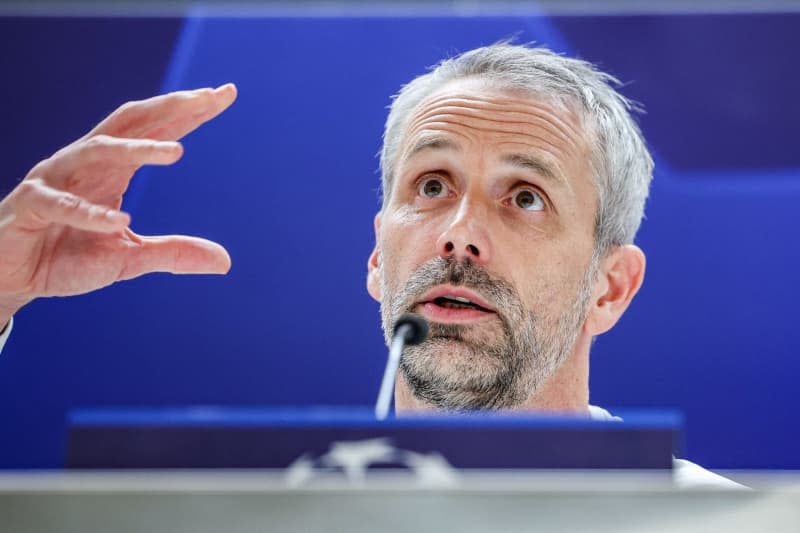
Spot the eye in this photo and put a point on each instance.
(433, 188)
(529, 200)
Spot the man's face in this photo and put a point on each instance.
(488, 234)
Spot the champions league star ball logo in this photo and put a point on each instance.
(353, 459)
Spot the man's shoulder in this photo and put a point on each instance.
(688, 475)
(685, 474)
(598, 413)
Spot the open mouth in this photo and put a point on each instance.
(458, 302)
(450, 304)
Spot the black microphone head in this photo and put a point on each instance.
(417, 328)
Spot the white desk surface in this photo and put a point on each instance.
(258, 501)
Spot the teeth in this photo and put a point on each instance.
(459, 299)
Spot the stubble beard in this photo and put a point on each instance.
(497, 364)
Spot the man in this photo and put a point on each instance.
(514, 182)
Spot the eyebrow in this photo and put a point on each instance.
(432, 143)
(528, 162)
(534, 164)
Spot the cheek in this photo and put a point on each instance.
(402, 246)
(548, 283)
(392, 244)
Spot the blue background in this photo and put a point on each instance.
(286, 180)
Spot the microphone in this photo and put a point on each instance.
(409, 330)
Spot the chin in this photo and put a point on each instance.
(452, 375)
(451, 358)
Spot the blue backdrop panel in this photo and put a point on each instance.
(286, 180)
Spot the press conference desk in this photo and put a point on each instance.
(244, 501)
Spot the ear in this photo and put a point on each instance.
(620, 277)
(374, 264)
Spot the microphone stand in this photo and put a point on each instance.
(410, 329)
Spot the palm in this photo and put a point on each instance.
(78, 261)
(75, 261)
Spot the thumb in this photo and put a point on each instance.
(177, 254)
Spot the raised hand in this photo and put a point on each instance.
(61, 229)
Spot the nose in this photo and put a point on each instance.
(466, 236)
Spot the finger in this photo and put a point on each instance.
(177, 254)
(182, 125)
(39, 205)
(167, 117)
(116, 152)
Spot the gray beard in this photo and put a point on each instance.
(486, 372)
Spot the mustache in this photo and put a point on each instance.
(439, 271)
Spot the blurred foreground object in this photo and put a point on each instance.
(200, 502)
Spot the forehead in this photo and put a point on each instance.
(477, 110)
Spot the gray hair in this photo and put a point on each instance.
(621, 163)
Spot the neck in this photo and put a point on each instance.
(566, 391)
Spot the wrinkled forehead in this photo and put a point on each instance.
(567, 105)
(498, 111)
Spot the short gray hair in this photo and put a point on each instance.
(621, 163)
